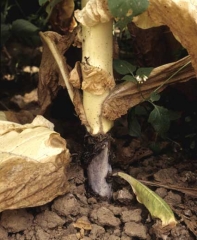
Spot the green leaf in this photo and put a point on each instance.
(27, 32)
(155, 147)
(122, 8)
(192, 145)
(123, 22)
(3, 18)
(154, 97)
(129, 78)
(5, 33)
(125, 10)
(144, 71)
(123, 67)
(42, 2)
(134, 127)
(22, 26)
(140, 110)
(160, 118)
(157, 207)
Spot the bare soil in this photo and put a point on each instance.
(81, 215)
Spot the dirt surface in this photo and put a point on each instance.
(81, 215)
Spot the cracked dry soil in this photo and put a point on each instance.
(81, 215)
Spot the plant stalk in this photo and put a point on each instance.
(97, 51)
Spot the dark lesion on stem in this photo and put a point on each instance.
(97, 164)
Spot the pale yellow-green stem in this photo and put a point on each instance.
(97, 51)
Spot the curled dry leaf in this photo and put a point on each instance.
(53, 69)
(83, 223)
(75, 77)
(78, 38)
(95, 11)
(96, 80)
(78, 103)
(33, 164)
(61, 18)
(180, 16)
(127, 95)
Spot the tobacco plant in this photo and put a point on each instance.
(91, 85)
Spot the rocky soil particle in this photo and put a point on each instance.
(133, 229)
(16, 220)
(131, 215)
(123, 196)
(180, 233)
(162, 192)
(3, 233)
(67, 205)
(49, 219)
(70, 237)
(104, 217)
(173, 198)
(42, 235)
(97, 232)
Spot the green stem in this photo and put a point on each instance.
(172, 76)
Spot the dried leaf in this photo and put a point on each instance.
(96, 80)
(53, 69)
(127, 95)
(61, 17)
(157, 207)
(33, 164)
(78, 103)
(95, 11)
(75, 76)
(189, 191)
(83, 223)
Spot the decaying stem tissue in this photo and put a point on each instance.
(97, 82)
(98, 170)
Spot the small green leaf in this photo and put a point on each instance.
(22, 26)
(129, 78)
(122, 8)
(160, 118)
(26, 32)
(125, 10)
(192, 145)
(144, 71)
(188, 119)
(5, 33)
(42, 2)
(157, 207)
(154, 97)
(134, 128)
(155, 147)
(140, 110)
(123, 67)
(123, 22)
